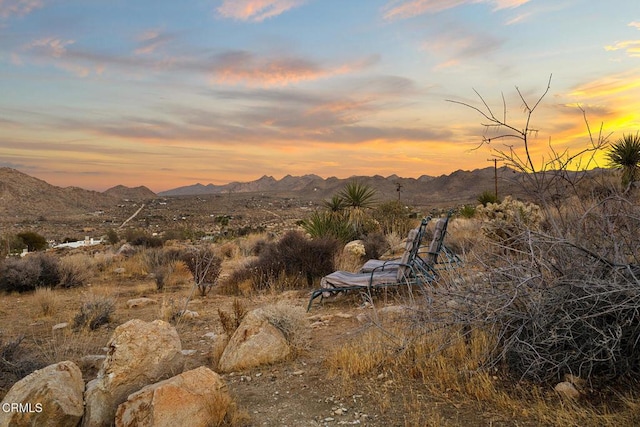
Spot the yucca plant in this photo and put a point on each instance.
(624, 154)
(323, 224)
(358, 198)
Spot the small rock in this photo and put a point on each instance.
(189, 352)
(119, 270)
(211, 335)
(60, 326)
(318, 324)
(566, 389)
(362, 318)
(344, 315)
(329, 419)
(299, 372)
(188, 314)
(140, 302)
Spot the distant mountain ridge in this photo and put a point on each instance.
(23, 196)
(460, 186)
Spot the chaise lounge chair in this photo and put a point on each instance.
(408, 270)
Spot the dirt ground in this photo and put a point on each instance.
(298, 392)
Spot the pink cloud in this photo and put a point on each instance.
(256, 10)
(18, 7)
(403, 9)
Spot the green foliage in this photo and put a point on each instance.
(336, 204)
(393, 218)
(321, 225)
(488, 197)
(468, 211)
(624, 154)
(358, 196)
(33, 241)
(112, 236)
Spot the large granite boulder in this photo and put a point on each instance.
(198, 398)
(139, 353)
(49, 397)
(256, 342)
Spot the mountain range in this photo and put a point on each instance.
(24, 196)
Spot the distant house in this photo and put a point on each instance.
(88, 241)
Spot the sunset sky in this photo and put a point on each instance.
(169, 93)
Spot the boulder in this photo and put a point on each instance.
(139, 353)
(197, 397)
(48, 397)
(256, 342)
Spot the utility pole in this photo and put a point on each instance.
(495, 173)
(398, 189)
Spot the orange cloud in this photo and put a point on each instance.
(632, 47)
(256, 10)
(608, 85)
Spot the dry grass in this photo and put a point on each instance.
(293, 324)
(47, 300)
(445, 366)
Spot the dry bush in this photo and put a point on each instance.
(28, 273)
(223, 411)
(231, 321)
(47, 299)
(205, 267)
(94, 312)
(76, 270)
(161, 262)
(16, 362)
(293, 256)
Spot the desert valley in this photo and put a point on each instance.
(199, 295)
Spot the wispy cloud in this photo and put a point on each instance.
(608, 85)
(631, 47)
(403, 9)
(246, 68)
(454, 45)
(150, 40)
(18, 7)
(256, 10)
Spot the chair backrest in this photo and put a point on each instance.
(412, 246)
(437, 242)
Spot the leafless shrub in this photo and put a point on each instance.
(204, 265)
(559, 295)
(161, 262)
(231, 321)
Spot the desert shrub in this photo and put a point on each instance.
(112, 236)
(95, 312)
(15, 363)
(75, 270)
(468, 211)
(33, 241)
(393, 217)
(504, 220)
(231, 321)
(375, 245)
(294, 255)
(324, 225)
(28, 273)
(161, 262)
(204, 265)
(488, 197)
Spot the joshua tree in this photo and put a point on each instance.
(625, 154)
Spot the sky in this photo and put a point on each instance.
(164, 93)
